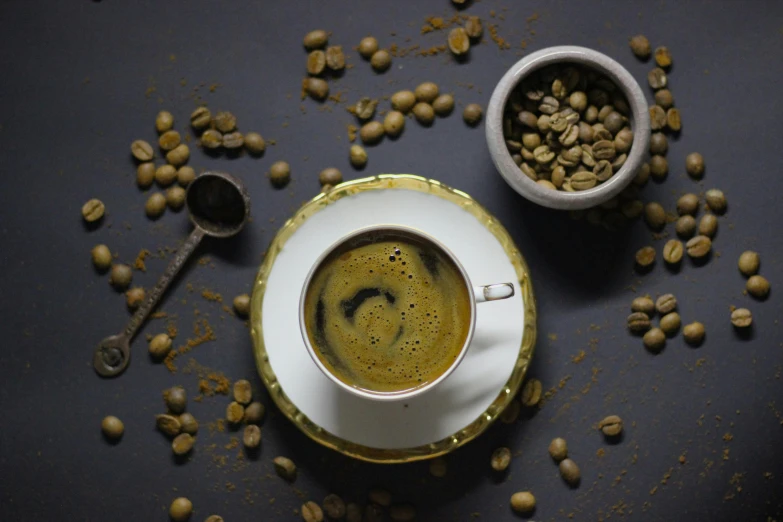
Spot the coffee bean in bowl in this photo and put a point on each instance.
(583, 123)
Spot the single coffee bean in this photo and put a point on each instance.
(285, 468)
(155, 205)
(280, 173)
(235, 412)
(371, 132)
(688, 204)
(657, 118)
(673, 251)
(645, 257)
(693, 333)
(531, 393)
(424, 113)
(664, 98)
(531, 140)
(741, 318)
(657, 78)
(443, 104)
(381, 60)
(165, 175)
(659, 167)
(458, 41)
(666, 304)
(473, 27)
(591, 114)
(663, 57)
(316, 88)
(176, 399)
(367, 47)
(501, 458)
(583, 180)
(543, 123)
(578, 101)
(160, 345)
(211, 139)
(101, 257)
(254, 143)
(546, 184)
(365, 108)
(403, 101)
(570, 136)
(654, 340)
(670, 323)
(181, 509)
(638, 322)
(614, 121)
(472, 114)
(543, 154)
(708, 225)
(185, 175)
(335, 58)
(642, 175)
(611, 426)
(358, 156)
(603, 171)
(182, 444)
(233, 140)
(748, 263)
(644, 305)
(716, 200)
(254, 413)
(145, 174)
(694, 165)
(315, 39)
(698, 246)
(686, 226)
(169, 139)
(168, 424)
(243, 392)
(523, 502)
(333, 176)
(120, 276)
(654, 215)
(757, 286)
(93, 210)
(570, 471)
(673, 120)
(179, 155)
(334, 506)
(134, 297)
(640, 46)
(528, 119)
(142, 151)
(658, 143)
(112, 427)
(623, 140)
(311, 512)
(214, 518)
(188, 423)
(558, 449)
(251, 437)
(426, 92)
(200, 118)
(604, 149)
(242, 305)
(549, 105)
(164, 121)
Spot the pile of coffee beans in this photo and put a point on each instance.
(643, 309)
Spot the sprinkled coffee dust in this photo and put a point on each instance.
(202, 332)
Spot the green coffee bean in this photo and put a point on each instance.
(185, 175)
(685, 226)
(673, 251)
(657, 78)
(757, 286)
(164, 121)
(315, 39)
(134, 297)
(160, 345)
(254, 412)
(657, 118)
(155, 205)
(523, 502)
(251, 437)
(101, 257)
(285, 468)
(280, 173)
(443, 104)
(716, 200)
(632, 209)
(654, 215)
(654, 340)
(693, 333)
(365, 108)
(670, 323)
(142, 151)
(638, 322)
(546, 184)
(473, 27)
(673, 120)
(694, 165)
(458, 41)
(179, 155)
(642, 175)
(176, 399)
(331, 176)
(188, 423)
(570, 472)
(200, 118)
(168, 424)
(358, 156)
(165, 175)
(501, 458)
(583, 180)
(708, 225)
(381, 60)
(659, 167)
(663, 57)
(611, 426)
(233, 140)
(169, 139)
(242, 305)
(688, 204)
(658, 143)
(748, 263)
(645, 257)
(367, 47)
(182, 444)
(664, 98)
(181, 509)
(120, 276)
(614, 121)
(424, 113)
(371, 132)
(741, 318)
(112, 427)
(558, 449)
(316, 62)
(644, 305)
(93, 210)
(472, 114)
(529, 119)
(640, 46)
(666, 304)
(235, 412)
(316, 88)
(403, 101)
(211, 139)
(334, 507)
(698, 246)
(145, 174)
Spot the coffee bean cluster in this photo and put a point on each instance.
(644, 309)
(176, 423)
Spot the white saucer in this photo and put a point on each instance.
(459, 408)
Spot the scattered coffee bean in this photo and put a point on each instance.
(741, 318)
(112, 427)
(371, 132)
(155, 205)
(658, 143)
(694, 165)
(285, 468)
(698, 246)
(316, 62)
(214, 518)
(640, 46)
(145, 174)
(160, 345)
(179, 155)
(181, 509)
(673, 120)
(182, 444)
(757, 286)
(142, 151)
(645, 257)
(665, 304)
(334, 506)
(164, 121)
(443, 104)
(316, 88)
(708, 225)
(501, 458)
(523, 502)
(531, 393)
(169, 139)
(335, 59)
(673, 251)
(663, 57)
(611, 426)
(280, 174)
(331, 176)
(458, 41)
(716, 200)
(233, 140)
(381, 60)
(165, 175)
(188, 423)
(211, 139)
(254, 413)
(168, 424)
(393, 124)
(358, 157)
(657, 118)
(693, 333)
(426, 92)
(185, 175)
(654, 215)
(315, 39)
(251, 437)
(175, 198)
(424, 113)
(644, 305)
(472, 114)
(748, 263)
(243, 392)
(570, 471)
(242, 305)
(200, 118)
(438, 467)
(686, 226)
(558, 449)
(403, 101)
(688, 204)
(402, 513)
(670, 323)
(120, 276)
(365, 108)
(235, 412)
(176, 399)
(368, 46)
(664, 98)
(93, 210)
(101, 257)
(659, 167)
(254, 143)
(638, 322)
(134, 297)
(546, 184)
(654, 340)
(473, 27)
(657, 78)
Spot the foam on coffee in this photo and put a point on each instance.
(387, 312)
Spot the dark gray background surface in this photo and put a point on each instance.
(81, 80)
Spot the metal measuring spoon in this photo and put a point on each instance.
(218, 206)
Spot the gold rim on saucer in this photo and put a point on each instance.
(507, 393)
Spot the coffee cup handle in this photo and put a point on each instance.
(493, 292)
